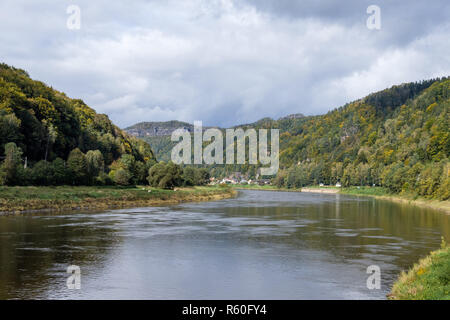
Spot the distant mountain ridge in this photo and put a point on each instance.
(293, 116)
(165, 128)
(156, 129)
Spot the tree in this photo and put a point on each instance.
(141, 171)
(122, 177)
(173, 177)
(201, 177)
(60, 174)
(189, 176)
(77, 164)
(280, 178)
(165, 176)
(129, 164)
(12, 164)
(41, 173)
(51, 136)
(193, 176)
(95, 164)
(156, 173)
(47, 124)
(9, 128)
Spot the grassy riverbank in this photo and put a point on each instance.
(429, 279)
(61, 198)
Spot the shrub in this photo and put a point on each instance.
(122, 177)
(165, 176)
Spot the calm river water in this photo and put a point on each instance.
(261, 245)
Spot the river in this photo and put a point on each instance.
(260, 245)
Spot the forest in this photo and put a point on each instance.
(398, 138)
(47, 138)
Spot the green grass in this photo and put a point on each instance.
(366, 191)
(17, 199)
(429, 279)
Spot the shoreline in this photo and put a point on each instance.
(116, 198)
(443, 206)
(440, 205)
(424, 280)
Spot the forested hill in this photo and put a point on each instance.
(46, 124)
(398, 138)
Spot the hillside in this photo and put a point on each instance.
(397, 138)
(61, 139)
(46, 124)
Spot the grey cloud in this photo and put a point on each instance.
(403, 20)
(221, 61)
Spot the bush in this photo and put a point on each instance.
(42, 173)
(165, 176)
(103, 180)
(122, 177)
(193, 176)
(60, 172)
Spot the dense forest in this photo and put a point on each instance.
(398, 138)
(47, 138)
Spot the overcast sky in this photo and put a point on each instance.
(224, 62)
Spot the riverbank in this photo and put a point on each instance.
(383, 194)
(14, 200)
(429, 279)
(376, 192)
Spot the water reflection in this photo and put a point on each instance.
(262, 245)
